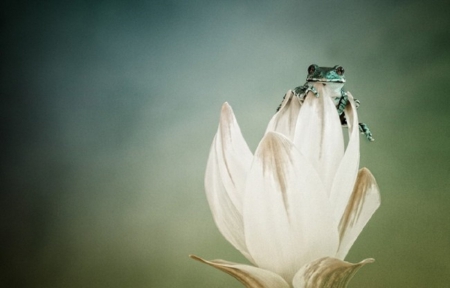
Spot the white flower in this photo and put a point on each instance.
(297, 205)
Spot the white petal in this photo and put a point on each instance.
(251, 277)
(228, 163)
(364, 201)
(287, 214)
(319, 134)
(285, 119)
(233, 155)
(326, 273)
(345, 177)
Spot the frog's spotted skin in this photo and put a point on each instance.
(334, 77)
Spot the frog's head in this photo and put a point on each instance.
(325, 74)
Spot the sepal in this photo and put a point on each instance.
(250, 276)
(327, 272)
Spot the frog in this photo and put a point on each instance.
(335, 78)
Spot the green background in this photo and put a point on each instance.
(109, 109)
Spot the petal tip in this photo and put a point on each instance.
(367, 261)
(199, 259)
(226, 109)
(272, 144)
(225, 105)
(226, 115)
(193, 257)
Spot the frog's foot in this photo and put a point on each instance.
(313, 90)
(299, 91)
(364, 129)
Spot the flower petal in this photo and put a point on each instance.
(318, 134)
(234, 156)
(327, 272)
(345, 177)
(364, 201)
(228, 163)
(287, 214)
(251, 277)
(285, 120)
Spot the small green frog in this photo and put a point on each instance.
(335, 78)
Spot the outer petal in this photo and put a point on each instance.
(285, 120)
(348, 168)
(287, 214)
(251, 277)
(326, 273)
(319, 134)
(233, 155)
(364, 201)
(228, 163)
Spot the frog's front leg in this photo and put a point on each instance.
(342, 102)
(340, 106)
(310, 88)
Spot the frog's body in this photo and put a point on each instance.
(333, 77)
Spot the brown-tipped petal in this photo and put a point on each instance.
(251, 277)
(285, 120)
(327, 273)
(287, 215)
(228, 162)
(318, 134)
(347, 172)
(364, 201)
(233, 155)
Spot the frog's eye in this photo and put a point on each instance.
(340, 70)
(311, 69)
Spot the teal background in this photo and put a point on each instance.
(109, 109)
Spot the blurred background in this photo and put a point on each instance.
(109, 109)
